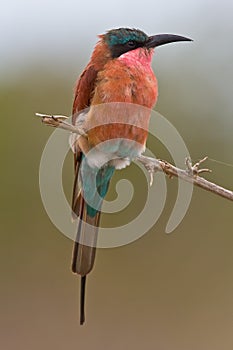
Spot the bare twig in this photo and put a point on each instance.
(190, 174)
(57, 121)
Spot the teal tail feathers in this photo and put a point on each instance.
(89, 217)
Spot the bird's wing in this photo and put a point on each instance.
(83, 255)
(84, 91)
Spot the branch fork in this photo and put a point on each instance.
(194, 169)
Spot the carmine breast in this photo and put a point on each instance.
(130, 80)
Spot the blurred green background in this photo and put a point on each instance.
(163, 291)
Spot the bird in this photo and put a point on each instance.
(119, 72)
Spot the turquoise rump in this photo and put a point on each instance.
(95, 183)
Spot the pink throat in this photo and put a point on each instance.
(139, 55)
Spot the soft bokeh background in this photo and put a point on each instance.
(161, 292)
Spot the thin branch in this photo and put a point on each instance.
(57, 121)
(189, 175)
(152, 165)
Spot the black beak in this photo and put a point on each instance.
(162, 39)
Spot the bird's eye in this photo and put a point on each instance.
(131, 44)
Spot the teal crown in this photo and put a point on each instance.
(121, 36)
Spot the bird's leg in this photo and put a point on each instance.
(83, 144)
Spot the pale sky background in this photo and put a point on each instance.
(60, 31)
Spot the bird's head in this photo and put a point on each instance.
(122, 40)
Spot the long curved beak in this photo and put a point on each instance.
(162, 39)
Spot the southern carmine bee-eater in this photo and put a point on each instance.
(119, 71)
